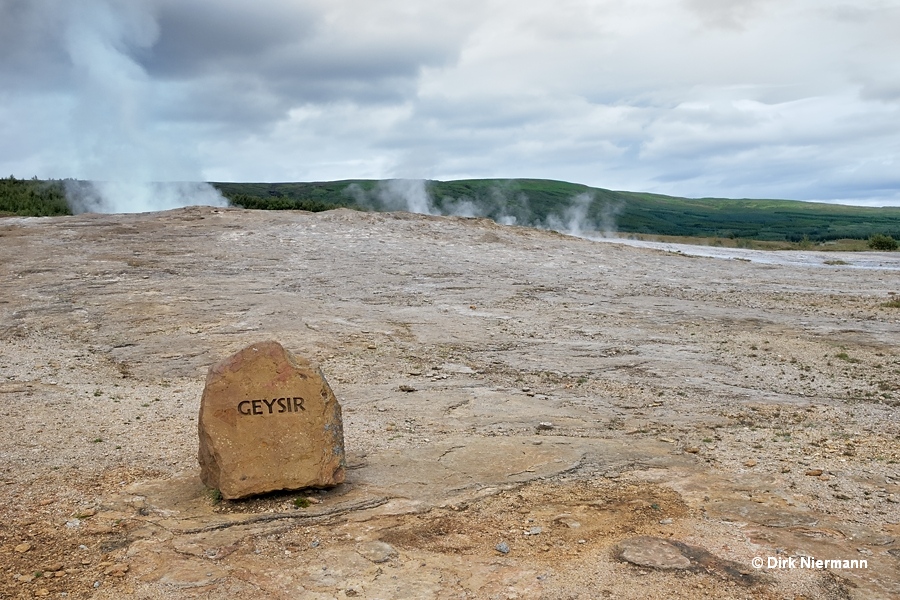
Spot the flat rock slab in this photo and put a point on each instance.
(376, 551)
(667, 554)
(269, 421)
(652, 552)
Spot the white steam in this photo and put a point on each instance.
(123, 197)
(410, 195)
(504, 204)
(118, 140)
(574, 219)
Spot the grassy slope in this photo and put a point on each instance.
(536, 202)
(533, 201)
(760, 219)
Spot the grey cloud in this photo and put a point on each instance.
(200, 37)
(31, 56)
(286, 51)
(697, 97)
(294, 52)
(883, 91)
(727, 14)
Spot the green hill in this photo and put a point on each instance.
(533, 202)
(543, 202)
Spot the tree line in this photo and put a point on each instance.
(798, 222)
(33, 197)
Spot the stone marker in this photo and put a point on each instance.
(269, 421)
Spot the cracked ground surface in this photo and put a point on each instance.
(502, 387)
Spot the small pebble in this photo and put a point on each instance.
(23, 548)
(814, 472)
(502, 547)
(751, 463)
(666, 522)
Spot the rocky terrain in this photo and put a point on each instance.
(526, 415)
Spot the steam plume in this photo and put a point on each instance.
(115, 103)
(410, 195)
(582, 217)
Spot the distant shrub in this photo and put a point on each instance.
(32, 197)
(879, 241)
(275, 202)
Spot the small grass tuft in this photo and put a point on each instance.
(301, 502)
(846, 357)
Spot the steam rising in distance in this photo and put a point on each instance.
(508, 206)
(132, 163)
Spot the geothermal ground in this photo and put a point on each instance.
(527, 415)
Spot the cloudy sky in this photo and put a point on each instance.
(737, 98)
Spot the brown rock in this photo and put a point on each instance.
(269, 421)
(814, 472)
(117, 570)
